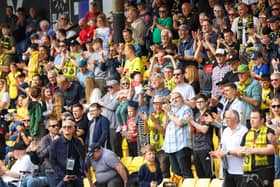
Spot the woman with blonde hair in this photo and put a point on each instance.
(4, 95)
(273, 122)
(191, 75)
(92, 92)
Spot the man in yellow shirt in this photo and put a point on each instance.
(132, 64)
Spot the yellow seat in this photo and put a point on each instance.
(136, 163)
(216, 183)
(203, 182)
(189, 182)
(85, 180)
(126, 161)
(276, 182)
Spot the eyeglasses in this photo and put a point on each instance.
(67, 127)
(275, 106)
(174, 98)
(263, 17)
(176, 74)
(125, 83)
(94, 110)
(53, 126)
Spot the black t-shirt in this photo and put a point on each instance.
(83, 124)
(3, 131)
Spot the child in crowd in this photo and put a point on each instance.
(150, 173)
(123, 97)
(130, 129)
(265, 101)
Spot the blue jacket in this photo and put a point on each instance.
(101, 131)
(60, 150)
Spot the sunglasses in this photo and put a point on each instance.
(54, 125)
(62, 45)
(231, 14)
(125, 83)
(67, 127)
(275, 9)
(275, 106)
(109, 86)
(27, 120)
(176, 74)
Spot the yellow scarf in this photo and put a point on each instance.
(242, 86)
(251, 142)
(151, 166)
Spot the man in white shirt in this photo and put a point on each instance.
(229, 149)
(21, 168)
(185, 89)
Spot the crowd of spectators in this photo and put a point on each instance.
(69, 98)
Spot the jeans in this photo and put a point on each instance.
(41, 181)
(181, 162)
(75, 183)
(277, 166)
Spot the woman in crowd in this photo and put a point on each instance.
(273, 121)
(103, 31)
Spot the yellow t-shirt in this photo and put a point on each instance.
(33, 65)
(265, 99)
(134, 65)
(12, 83)
(156, 138)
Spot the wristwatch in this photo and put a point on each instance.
(228, 152)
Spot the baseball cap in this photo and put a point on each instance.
(93, 147)
(220, 51)
(233, 58)
(242, 68)
(184, 26)
(158, 99)
(273, 19)
(222, 81)
(112, 83)
(82, 63)
(20, 146)
(256, 55)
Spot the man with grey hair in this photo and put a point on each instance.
(66, 157)
(177, 143)
(109, 105)
(230, 143)
(275, 82)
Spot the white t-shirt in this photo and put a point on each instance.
(21, 165)
(231, 140)
(186, 90)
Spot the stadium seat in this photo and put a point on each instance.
(276, 182)
(136, 163)
(203, 182)
(189, 182)
(216, 183)
(126, 161)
